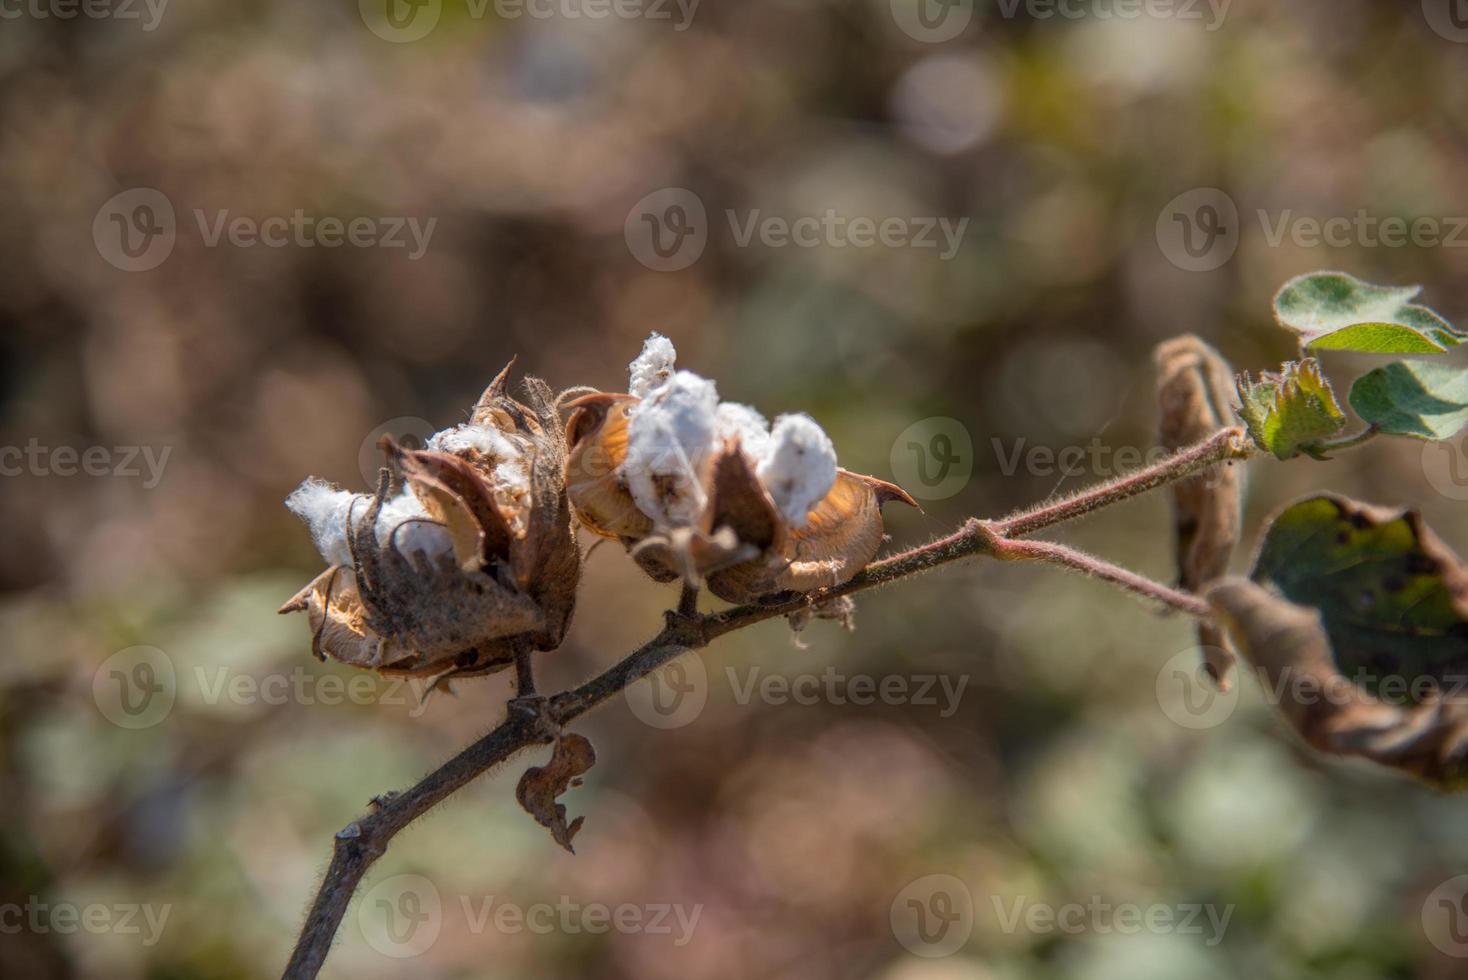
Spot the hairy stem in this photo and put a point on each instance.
(363, 841)
(1223, 446)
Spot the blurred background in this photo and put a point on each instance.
(240, 241)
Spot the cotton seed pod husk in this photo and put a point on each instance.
(1194, 393)
(741, 546)
(511, 577)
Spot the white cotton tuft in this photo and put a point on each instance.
(653, 366)
(480, 438)
(669, 446)
(749, 425)
(800, 468)
(326, 510)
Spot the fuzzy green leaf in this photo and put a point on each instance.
(1423, 399)
(1336, 311)
(1392, 597)
(1289, 412)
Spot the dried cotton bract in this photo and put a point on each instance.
(470, 561)
(711, 492)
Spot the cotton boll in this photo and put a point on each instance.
(403, 521)
(324, 508)
(327, 510)
(669, 449)
(480, 438)
(748, 425)
(652, 367)
(800, 468)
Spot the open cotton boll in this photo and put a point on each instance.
(510, 476)
(749, 425)
(652, 367)
(326, 510)
(800, 467)
(669, 448)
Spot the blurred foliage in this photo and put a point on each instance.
(1059, 777)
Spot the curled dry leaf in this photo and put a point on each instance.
(1194, 394)
(1289, 646)
(475, 556)
(541, 786)
(766, 522)
(1357, 619)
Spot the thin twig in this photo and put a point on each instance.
(1223, 446)
(363, 841)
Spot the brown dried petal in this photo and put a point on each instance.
(597, 434)
(1194, 394)
(1289, 646)
(542, 785)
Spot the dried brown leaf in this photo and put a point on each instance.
(541, 786)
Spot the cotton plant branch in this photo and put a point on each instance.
(358, 845)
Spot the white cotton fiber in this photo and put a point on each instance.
(326, 509)
(653, 366)
(669, 446)
(749, 425)
(800, 468)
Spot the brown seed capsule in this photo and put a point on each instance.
(498, 568)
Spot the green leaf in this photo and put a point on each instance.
(1336, 311)
(1424, 399)
(1392, 597)
(1289, 412)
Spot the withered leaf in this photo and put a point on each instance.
(1290, 647)
(540, 787)
(459, 497)
(1392, 596)
(1194, 396)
